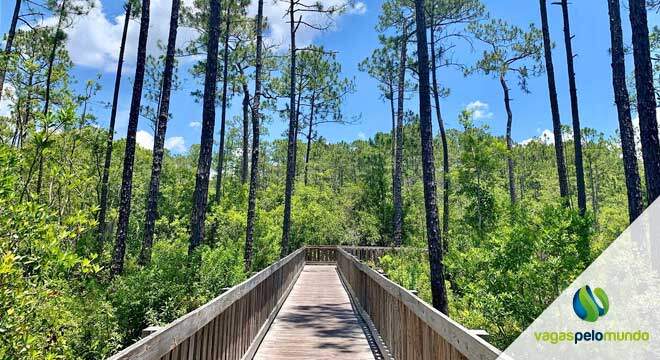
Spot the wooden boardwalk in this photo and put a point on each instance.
(316, 321)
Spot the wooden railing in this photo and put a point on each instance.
(321, 254)
(230, 326)
(369, 253)
(408, 327)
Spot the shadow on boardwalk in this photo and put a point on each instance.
(317, 321)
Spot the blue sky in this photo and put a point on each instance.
(354, 38)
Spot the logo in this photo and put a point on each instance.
(590, 305)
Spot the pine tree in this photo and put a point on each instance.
(622, 99)
(101, 230)
(256, 118)
(554, 105)
(159, 139)
(200, 196)
(646, 101)
(438, 290)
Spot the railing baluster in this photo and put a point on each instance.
(408, 327)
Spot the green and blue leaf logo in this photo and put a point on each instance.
(590, 305)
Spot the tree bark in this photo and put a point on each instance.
(398, 153)
(577, 132)
(246, 134)
(254, 171)
(622, 99)
(310, 134)
(393, 113)
(223, 116)
(200, 196)
(129, 154)
(438, 290)
(291, 148)
(554, 106)
(8, 45)
(101, 230)
(51, 57)
(646, 102)
(509, 141)
(445, 145)
(159, 139)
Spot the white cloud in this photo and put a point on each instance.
(278, 34)
(93, 40)
(144, 140)
(547, 137)
(175, 144)
(480, 110)
(359, 8)
(195, 125)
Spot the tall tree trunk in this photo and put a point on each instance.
(438, 290)
(129, 154)
(8, 45)
(245, 158)
(622, 99)
(159, 139)
(393, 113)
(554, 106)
(646, 102)
(310, 134)
(101, 230)
(577, 132)
(254, 170)
(443, 137)
(398, 154)
(200, 196)
(291, 148)
(509, 140)
(223, 116)
(51, 57)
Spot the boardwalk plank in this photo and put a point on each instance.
(316, 322)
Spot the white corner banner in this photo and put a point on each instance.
(611, 311)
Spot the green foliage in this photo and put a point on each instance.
(48, 295)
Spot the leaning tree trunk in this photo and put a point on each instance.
(129, 154)
(159, 139)
(200, 196)
(398, 154)
(554, 106)
(646, 102)
(111, 134)
(51, 57)
(577, 132)
(509, 141)
(291, 148)
(622, 99)
(445, 145)
(438, 290)
(254, 171)
(223, 116)
(310, 134)
(245, 158)
(8, 45)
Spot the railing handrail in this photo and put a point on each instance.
(164, 340)
(471, 346)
